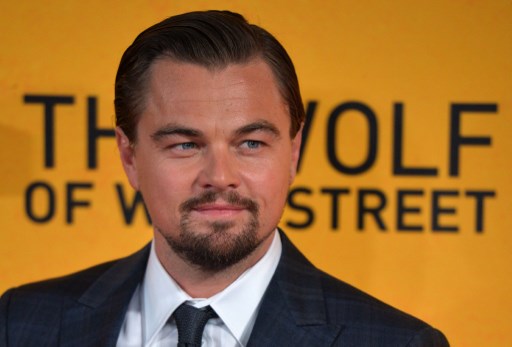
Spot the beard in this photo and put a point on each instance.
(222, 246)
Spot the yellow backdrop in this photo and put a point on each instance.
(404, 188)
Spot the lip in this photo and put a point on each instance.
(218, 210)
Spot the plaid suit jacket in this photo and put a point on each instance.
(301, 307)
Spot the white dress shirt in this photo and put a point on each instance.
(147, 319)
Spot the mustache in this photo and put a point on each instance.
(231, 197)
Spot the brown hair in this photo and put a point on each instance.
(212, 39)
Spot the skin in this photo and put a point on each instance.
(223, 130)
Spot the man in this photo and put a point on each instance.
(209, 120)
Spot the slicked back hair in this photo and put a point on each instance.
(213, 39)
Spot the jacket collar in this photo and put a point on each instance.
(293, 309)
(95, 319)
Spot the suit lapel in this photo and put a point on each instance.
(292, 311)
(95, 319)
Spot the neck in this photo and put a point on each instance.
(200, 283)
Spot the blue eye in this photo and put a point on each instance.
(252, 144)
(186, 146)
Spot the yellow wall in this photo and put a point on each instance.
(435, 60)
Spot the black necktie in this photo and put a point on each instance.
(191, 322)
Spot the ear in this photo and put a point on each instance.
(296, 143)
(127, 153)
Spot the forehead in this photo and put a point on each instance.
(191, 91)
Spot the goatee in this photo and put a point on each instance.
(222, 245)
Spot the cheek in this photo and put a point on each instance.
(270, 184)
(163, 191)
(273, 194)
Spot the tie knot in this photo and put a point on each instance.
(190, 322)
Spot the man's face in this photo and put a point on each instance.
(213, 159)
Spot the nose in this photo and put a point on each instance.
(219, 170)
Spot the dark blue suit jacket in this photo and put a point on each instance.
(301, 307)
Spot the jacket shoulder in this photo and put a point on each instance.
(73, 285)
(361, 313)
(363, 319)
(34, 310)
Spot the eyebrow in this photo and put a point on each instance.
(261, 125)
(174, 129)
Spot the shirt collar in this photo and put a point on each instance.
(160, 294)
(237, 305)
